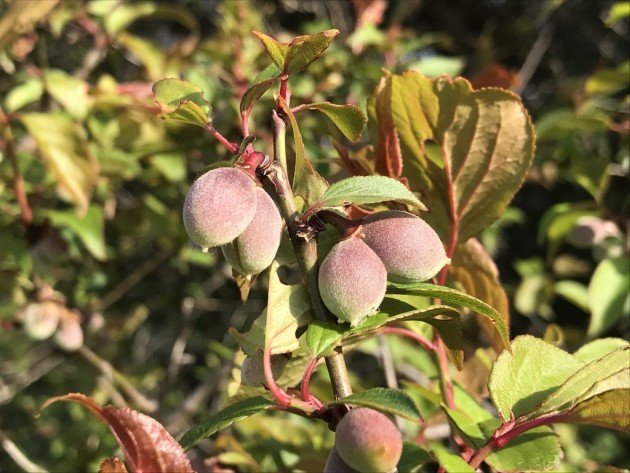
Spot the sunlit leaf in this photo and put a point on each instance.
(23, 94)
(181, 100)
(350, 119)
(67, 155)
(598, 348)
(276, 50)
(89, 228)
(145, 442)
(391, 401)
(451, 462)
(473, 268)
(303, 50)
(608, 295)
(322, 336)
(520, 381)
(70, 92)
(224, 418)
(259, 86)
(610, 409)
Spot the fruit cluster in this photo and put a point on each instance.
(393, 245)
(225, 208)
(365, 441)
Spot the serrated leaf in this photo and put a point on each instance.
(349, 119)
(65, 151)
(368, 190)
(303, 50)
(224, 418)
(485, 138)
(391, 401)
(89, 229)
(610, 409)
(608, 295)
(520, 381)
(473, 268)
(322, 336)
(181, 100)
(267, 77)
(276, 50)
(603, 374)
(452, 296)
(307, 183)
(145, 442)
(288, 307)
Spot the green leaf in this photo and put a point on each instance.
(486, 141)
(89, 229)
(603, 374)
(573, 291)
(259, 86)
(473, 268)
(224, 418)
(350, 119)
(321, 337)
(610, 409)
(288, 308)
(618, 12)
(276, 50)
(23, 94)
(519, 382)
(181, 100)
(452, 296)
(598, 348)
(306, 182)
(450, 462)
(608, 296)
(65, 151)
(412, 458)
(368, 190)
(392, 401)
(303, 50)
(70, 92)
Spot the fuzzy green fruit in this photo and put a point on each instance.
(352, 280)
(253, 372)
(409, 248)
(219, 206)
(368, 441)
(334, 464)
(254, 249)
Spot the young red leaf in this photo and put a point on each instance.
(112, 465)
(147, 446)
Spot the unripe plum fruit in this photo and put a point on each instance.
(253, 372)
(334, 464)
(254, 249)
(69, 335)
(352, 280)
(219, 206)
(41, 319)
(368, 441)
(409, 248)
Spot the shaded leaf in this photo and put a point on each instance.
(276, 50)
(368, 190)
(473, 268)
(450, 462)
(608, 295)
(519, 382)
(89, 229)
(66, 154)
(181, 100)
(145, 442)
(485, 139)
(288, 307)
(321, 337)
(610, 409)
(452, 296)
(412, 458)
(306, 182)
(350, 119)
(224, 418)
(303, 50)
(391, 401)
(259, 86)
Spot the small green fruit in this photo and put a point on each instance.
(335, 464)
(409, 248)
(254, 249)
(368, 441)
(41, 319)
(219, 206)
(352, 280)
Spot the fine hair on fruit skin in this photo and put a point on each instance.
(219, 206)
(254, 249)
(352, 280)
(335, 464)
(409, 248)
(368, 441)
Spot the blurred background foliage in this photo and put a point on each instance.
(92, 183)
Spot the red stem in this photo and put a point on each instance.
(306, 395)
(18, 181)
(283, 398)
(409, 334)
(231, 147)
